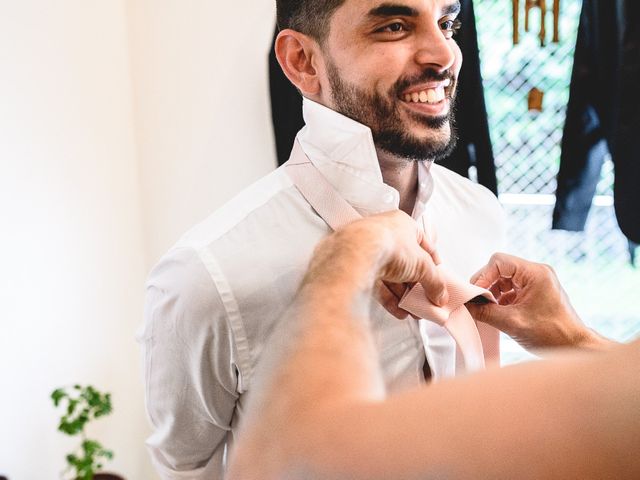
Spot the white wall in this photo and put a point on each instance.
(122, 123)
(71, 246)
(202, 107)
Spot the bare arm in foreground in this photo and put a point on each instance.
(323, 412)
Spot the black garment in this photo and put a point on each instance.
(474, 142)
(474, 145)
(603, 116)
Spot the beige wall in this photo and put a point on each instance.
(122, 123)
(71, 247)
(202, 107)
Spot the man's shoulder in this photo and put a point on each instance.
(454, 186)
(260, 196)
(233, 223)
(242, 264)
(240, 246)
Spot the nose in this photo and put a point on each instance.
(434, 50)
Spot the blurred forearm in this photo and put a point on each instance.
(328, 356)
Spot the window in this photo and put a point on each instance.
(594, 266)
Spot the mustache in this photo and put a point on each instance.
(429, 75)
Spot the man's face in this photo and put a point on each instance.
(393, 66)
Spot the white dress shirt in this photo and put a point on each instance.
(214, 298)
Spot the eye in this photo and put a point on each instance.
(450, 27)
(395, 27)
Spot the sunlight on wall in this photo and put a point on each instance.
(122, 124)
(202, 107)
(71, 243)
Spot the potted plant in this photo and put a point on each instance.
(81, 405)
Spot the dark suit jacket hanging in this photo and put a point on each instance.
(603, 116)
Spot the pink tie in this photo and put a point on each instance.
(477, 342)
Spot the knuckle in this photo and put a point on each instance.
(424, 269)
(548, 269)
(496, 257)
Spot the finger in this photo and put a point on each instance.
(486, 276)
(397, 289)
(389, 301)
(500, 317)
(504, 284)
(430, 248)
(495, 291)
(508, 298)
(500, 287)
(500, 265)
(432, 280)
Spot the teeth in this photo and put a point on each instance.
(431, 95)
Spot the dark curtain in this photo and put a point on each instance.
(474, 145)
(603, 116)
(474, 142)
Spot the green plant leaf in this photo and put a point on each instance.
(71, 407)
(83, 404)
(57, 395)
(91, 447)
(107, 454)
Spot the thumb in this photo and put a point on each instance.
(498, 316)
(433, 283)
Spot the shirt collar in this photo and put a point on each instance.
(343, 150)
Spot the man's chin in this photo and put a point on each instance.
(414, 148)
(424, 125)
(425, 138)
(434, 131)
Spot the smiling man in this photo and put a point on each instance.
(378, 81)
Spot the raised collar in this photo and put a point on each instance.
(343, 150)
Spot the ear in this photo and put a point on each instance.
(297, 54)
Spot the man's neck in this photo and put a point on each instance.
(402, 175)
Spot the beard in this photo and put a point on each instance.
(381, 113)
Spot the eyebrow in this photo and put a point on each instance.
(452, 8)
(393, 10)
(399, 10)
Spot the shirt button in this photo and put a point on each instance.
(388, 198)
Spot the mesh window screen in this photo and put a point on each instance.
(594, 265)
